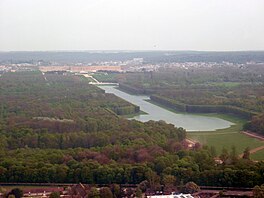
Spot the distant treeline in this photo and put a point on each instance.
(132, 89)
(148, 56)
(126, 110)
(179, 106)
(256, 124)
(203, 108)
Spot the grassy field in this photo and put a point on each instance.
(225, 138)
(83, 78)
(104, 77)
(258, 155)
(225, 84)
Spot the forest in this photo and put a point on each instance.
(58, 128)
(256, 124)
(236, 90)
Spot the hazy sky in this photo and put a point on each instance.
(131, 25)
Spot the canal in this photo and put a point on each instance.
(190, 122)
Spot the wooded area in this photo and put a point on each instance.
(227, 89)
(64, 130)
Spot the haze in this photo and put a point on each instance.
(211, 25)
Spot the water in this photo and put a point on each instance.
(188, 121)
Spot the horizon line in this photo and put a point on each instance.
(123, 50)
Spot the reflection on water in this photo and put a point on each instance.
(188, 121)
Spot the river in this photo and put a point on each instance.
(190, 122)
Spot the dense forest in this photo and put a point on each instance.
(58, 128)
(224, 89)
(256, 124)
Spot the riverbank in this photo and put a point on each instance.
(191, 122)
(220, 138)
(230, 137)
(225, 138)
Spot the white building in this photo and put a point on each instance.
(172, 196)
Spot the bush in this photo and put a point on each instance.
(54, 195)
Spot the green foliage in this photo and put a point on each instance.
(63, 130)
(246, 154)
(180, 106)
(54, 195)
(190, 188)
(258, 191)
(216, 89)
(105, 192)
(65, 112)
(138, 193)
(256, 124)
(94, 193)
(116, 190)
(18, 193)
(168, 181)
(2, 189)
(227, 138)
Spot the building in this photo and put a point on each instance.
(173, 195)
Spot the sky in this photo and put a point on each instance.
(207, 25)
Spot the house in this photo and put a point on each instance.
(173, 195)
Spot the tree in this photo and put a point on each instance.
(94, 193)
(105, 192)
(258, 191)
(17, 192)
(233, 154)
(246, 153)
(153, 179)
(168, 181)
(224, 155)
(2, 190)
(143, 185)
(138, 193)
(190, 188)
(213, 151)
(54, 195)
(116, 190)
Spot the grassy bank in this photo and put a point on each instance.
(133, 115)
(258, 155)
(225, 138)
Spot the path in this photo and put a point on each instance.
(254, 135)
(256, 149)
(253, 150)
(96, 82)
(90, 76)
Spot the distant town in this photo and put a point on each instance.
(134, 65)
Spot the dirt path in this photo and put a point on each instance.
(253, 150)
(256, 149)
(254, 135)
